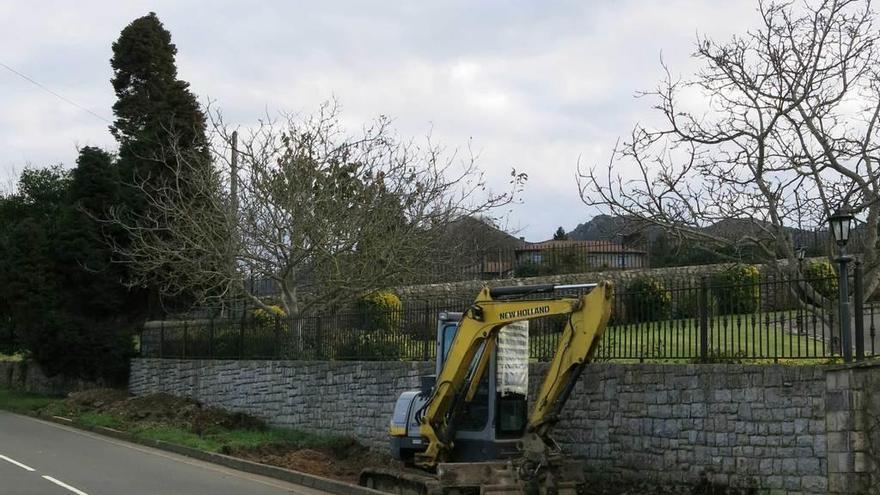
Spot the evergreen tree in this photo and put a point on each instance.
(560, 235)
(157, 116)
(160, 128)
(94, 284)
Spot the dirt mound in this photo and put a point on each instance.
(97, 398)
(338, 464)
(160, 408)
(179, 411)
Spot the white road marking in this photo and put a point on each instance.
(64, 485)
(13, 461)
(179, 459)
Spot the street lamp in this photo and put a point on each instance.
(840, 223)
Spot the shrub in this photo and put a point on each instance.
(378, 335)
(526, 269)
(647, 299)
(269, 315)
(686, 304)
(736, 290)
(822, 276)
(380, 311)
(380, 345)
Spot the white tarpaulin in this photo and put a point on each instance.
(513, 359)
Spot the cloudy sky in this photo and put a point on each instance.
(534, 85)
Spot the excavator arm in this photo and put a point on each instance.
(474, 342)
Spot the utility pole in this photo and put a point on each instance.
(233, 173)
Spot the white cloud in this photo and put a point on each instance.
(535, 84)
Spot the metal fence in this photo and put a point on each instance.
(671, 320)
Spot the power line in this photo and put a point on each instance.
(44, 88)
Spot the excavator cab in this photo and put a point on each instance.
(495, 419)
(466, 427)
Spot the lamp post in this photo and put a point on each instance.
(840, 223)
(801, 252)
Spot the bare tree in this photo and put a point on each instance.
(777, 130)
(324, 215)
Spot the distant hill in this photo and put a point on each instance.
(476, 234)
(608, 228)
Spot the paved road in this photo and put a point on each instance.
(40, 458)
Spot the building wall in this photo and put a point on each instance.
(770, 428)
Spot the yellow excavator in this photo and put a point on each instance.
(465, 430)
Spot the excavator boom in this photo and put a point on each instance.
(477, 335)
(437, 412)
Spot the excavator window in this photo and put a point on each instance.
(512, 415)
(448, 336)
(476, 412)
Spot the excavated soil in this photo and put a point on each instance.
(343, 461)
(161, 408)
(343, 466)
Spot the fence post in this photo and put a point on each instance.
(241, 334)
(323, 342)
(211, 338)
(859, 312)
(704, 319)
(277, 349)
(426, 344)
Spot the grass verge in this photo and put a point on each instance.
(22, 402)
(162, 419)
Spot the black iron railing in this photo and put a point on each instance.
(665, 320)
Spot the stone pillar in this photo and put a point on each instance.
(852, 420)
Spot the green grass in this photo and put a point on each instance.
(230, 440)
(214, 440)
(731, 338)
(14, 401)
(11, 357)
(94, 419)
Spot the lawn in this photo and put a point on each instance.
(760, 337)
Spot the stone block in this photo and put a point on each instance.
(840, 462)
(814, 484)
(809, 466)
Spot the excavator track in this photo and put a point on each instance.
(563, 477)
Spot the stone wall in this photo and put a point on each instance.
(27, 376)
(338, 397)
(742, 426)
(853, 424)
(779, 429)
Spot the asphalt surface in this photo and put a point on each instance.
(41, 458)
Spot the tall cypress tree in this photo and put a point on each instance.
(156, 114)
(159, 124)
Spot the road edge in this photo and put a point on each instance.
(288, 475)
